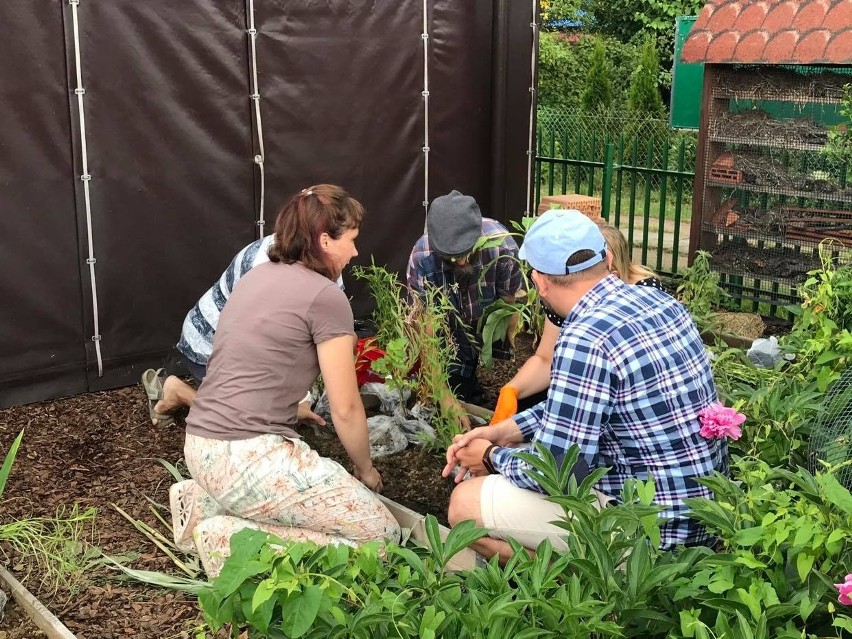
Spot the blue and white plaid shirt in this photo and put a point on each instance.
(629, 377)
(494, 275)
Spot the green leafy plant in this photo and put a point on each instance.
(785, 536)
(700, 292)
(416, 336)
(821, 337)
(839, 144)
(396, 366)
(607, 584)
(780, 407)
(497, 318)
(284, 589)
(429, 332)
(8, 461)
(388, 294)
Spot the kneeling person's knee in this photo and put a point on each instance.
(465, 502)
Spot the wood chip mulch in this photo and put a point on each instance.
(99, 449)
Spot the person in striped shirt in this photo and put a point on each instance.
(196, 339)
(630, 376)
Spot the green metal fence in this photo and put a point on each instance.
(642, 171)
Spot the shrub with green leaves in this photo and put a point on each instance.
(495, 323)
(607, 584)
(783, 404)
(644, 94)
(786, 537)
(780, 407)
(699, 291)
(821, 337)
(597, 88)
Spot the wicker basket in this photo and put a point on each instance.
(586, 204)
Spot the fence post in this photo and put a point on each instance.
(606, 185)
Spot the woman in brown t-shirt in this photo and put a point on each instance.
(285, 323)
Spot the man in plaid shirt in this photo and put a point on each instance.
(444, 257)
(629, 377)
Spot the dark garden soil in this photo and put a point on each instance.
(100, 449)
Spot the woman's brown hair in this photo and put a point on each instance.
(324, 208)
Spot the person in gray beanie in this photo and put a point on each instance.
(447, 257)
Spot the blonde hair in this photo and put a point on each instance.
(616, 244)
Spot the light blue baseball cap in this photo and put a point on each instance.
(555, 236)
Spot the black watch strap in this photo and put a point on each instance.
(486, 459)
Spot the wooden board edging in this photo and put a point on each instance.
(415, 522)
(41, 616)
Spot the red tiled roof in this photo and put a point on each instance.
(772, 32)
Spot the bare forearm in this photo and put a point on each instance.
(351, 428)
(506, 433)
(532, 377)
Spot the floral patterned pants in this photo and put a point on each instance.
(278, 485)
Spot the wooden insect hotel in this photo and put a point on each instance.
(773, 166)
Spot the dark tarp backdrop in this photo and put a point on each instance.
(171, 137)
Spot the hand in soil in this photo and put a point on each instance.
(305, 415)
(371, 479)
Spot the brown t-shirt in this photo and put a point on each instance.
(264, 355)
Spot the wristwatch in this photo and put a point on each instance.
(486, 459)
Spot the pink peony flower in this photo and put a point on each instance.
(845, 590)
(720, 421)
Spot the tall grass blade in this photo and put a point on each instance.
(8, 461)
(161, 579)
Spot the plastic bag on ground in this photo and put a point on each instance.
(765, 352)
(386, 436)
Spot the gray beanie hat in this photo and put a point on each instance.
(453, 224)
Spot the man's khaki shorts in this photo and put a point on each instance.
(525, 515)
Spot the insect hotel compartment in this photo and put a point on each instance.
(771, 190)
